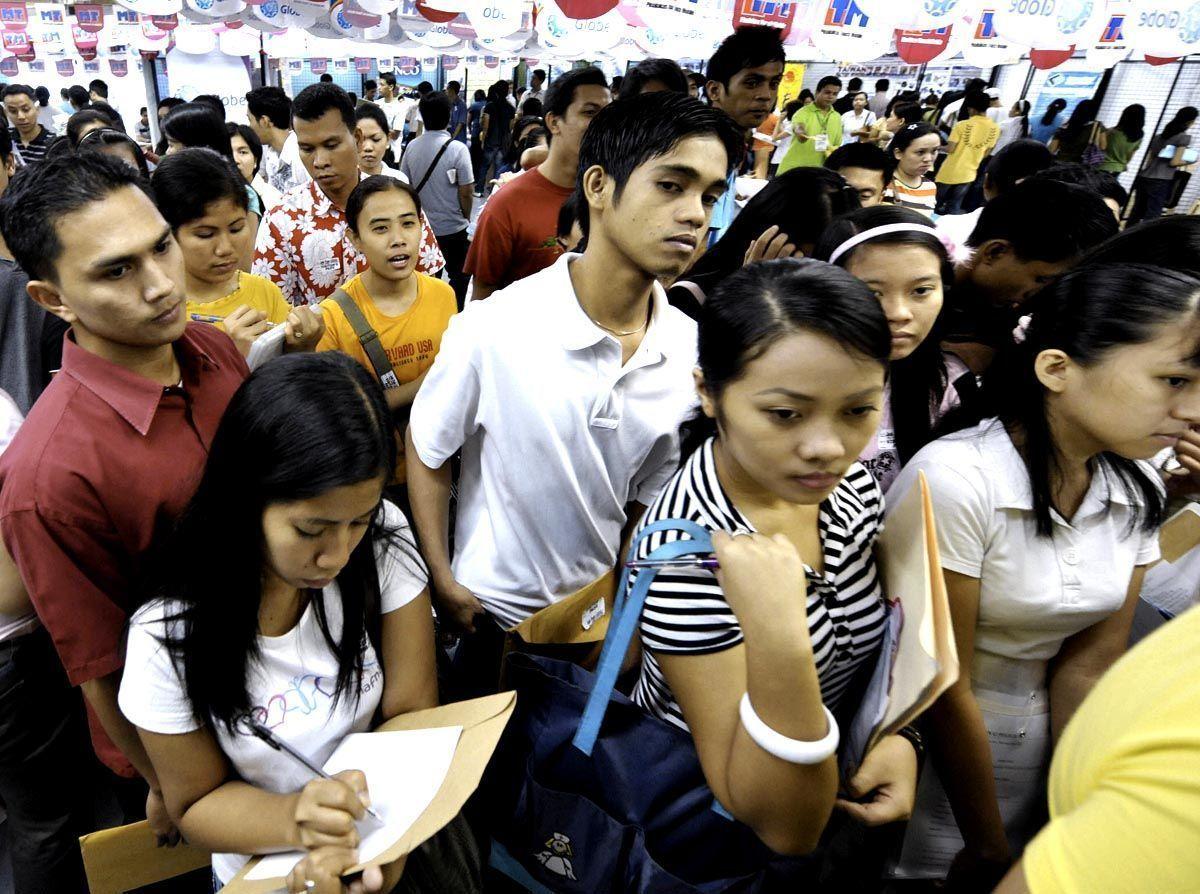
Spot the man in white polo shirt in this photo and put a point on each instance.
(565, 390)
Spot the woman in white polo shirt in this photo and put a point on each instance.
(290, 597)
(753, 658)
(1047, 517)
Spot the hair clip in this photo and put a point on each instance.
(1021, 332)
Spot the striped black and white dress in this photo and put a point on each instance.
(686, 612)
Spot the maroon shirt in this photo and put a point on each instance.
(104, 461)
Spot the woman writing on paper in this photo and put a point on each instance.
(1047, 518)
(754, 658)
(312, 616)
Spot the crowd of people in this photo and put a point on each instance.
(474, 417)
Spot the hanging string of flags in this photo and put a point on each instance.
(983, 32)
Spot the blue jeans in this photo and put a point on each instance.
(950, 197)
(493, 161)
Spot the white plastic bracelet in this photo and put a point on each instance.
(794, 751)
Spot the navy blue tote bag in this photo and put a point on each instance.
(588, 793)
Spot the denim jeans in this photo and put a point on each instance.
(493, 160)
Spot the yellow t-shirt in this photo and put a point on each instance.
(411, 340)
(974, 138)
(1125, 779)
(252, 291)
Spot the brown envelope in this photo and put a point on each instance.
(482, 720)
(573, 619)
(128, 857)
(1180, 533)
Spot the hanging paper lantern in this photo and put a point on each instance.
(1111, 44)
(282, 15)
(918, 47)
(165, 23)
(1047, 59)
(118, 67)
(152, 7)
(983, 46)
(1165, 28)
(216, 9)
(928, 15)
(1048, 24)
(449, 63)
(199, 40)
(13, 15)
(17, 43)
(358, 16)
(1161, 60)
(65, 68)
(429, 13)
(756, 12)
(586, 9)
(495, 18)
(9, 67)
(491, 62)
(844, 31)
(436, 36)
(238, 42)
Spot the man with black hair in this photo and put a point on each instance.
(270, 113)
(537, 85)
(414, 126)
(514, 237)
(650, 75)
(439, 168)
(1013, 164)
(325, 78)
(458, 112)
(879, 102)
(393, 108)
(98, 91)
(1102, 183)
(952, 103)
(816, 129)
(370, 89)
(1024, 239)
(845, 102)
(742, 80)
(866, 167)
(27, 133)
(30, 338)
(304, 246)
(594, 395)
(79, 98)
(113, 449)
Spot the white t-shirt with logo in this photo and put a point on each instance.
(292, 686)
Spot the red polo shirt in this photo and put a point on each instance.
(105, 460)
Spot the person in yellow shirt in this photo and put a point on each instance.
(408, 310)
(1125, 780)
(971, 141)
(202, 197)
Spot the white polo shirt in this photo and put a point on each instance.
(1034, 591)
(557, 436)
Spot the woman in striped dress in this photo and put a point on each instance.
(755, 658)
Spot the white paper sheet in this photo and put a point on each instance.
(404, 771)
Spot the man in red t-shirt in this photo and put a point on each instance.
(115, 446)
(515, 236)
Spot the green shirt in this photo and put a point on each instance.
(1119, 152)
(803, 153)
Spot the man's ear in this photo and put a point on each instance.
(49, 297)
(597, 188)
(715, 91)
(10, 165)
(993, 252)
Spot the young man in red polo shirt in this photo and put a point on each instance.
(515, 235)
(113, 449)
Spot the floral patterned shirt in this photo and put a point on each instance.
(304, 247)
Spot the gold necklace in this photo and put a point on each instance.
(620, 334)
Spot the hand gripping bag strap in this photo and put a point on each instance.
(368, 338)
(626, 614)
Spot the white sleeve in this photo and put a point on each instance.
(152, 695)
(445, 412)
(961, 507)
(402, 574)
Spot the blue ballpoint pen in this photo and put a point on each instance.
(279, 745)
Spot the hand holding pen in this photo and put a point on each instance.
(328, 806)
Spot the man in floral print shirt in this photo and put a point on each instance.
(303, 244)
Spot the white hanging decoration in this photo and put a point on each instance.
(843, 31)
(436, 36)
(238, 42)
(927, 15)
(379, 7)
(495, 18)
(981, 43)
(1048, 24)
(341, 24)
(1110, 42)
(282, 14)
(1166, 28)
(152, 7)
(556, 30)
(286, 44)
(194, 38)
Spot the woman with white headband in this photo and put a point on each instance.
(905, 263)
(1047, 517)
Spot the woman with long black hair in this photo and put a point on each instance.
(1168, 153)
(1124, 139)
(901, 258)
(194, 125)
(1045, 127)
(1047, 519)
(308, 614)
(1082, 130)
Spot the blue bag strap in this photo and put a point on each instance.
(624, 622)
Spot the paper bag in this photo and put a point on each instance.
(482, 720)
(128, 857)
(1180, 533)
(581, 617)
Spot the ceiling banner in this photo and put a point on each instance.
(917, 47)
(13, 15)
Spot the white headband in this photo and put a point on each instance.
(866, 235)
